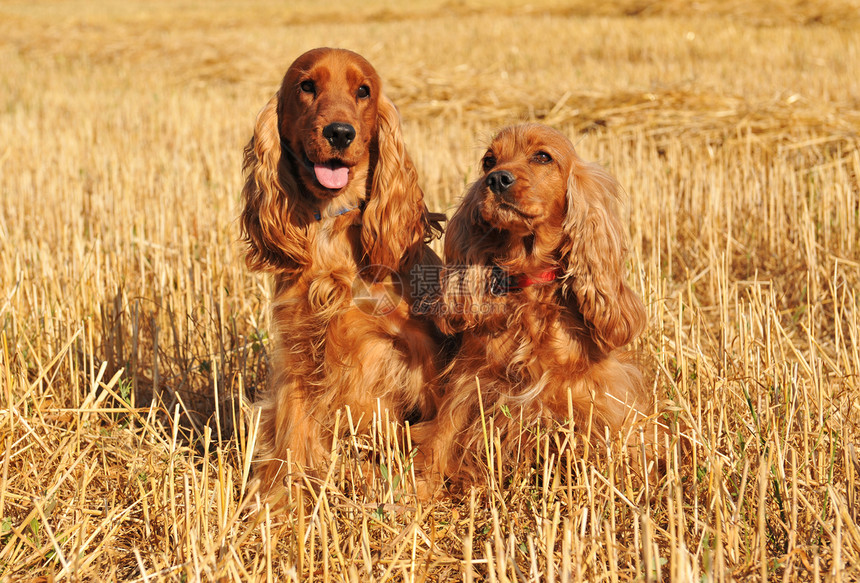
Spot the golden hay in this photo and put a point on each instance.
(130, 329)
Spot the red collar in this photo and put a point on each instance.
(522, 281)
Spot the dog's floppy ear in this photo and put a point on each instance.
(593, 258)
(275, 243)
(395, 219)
(466, 292)
(467, 233)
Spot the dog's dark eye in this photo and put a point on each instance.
(363, 92)
(542, 158)
(308, 87)
(488, 162)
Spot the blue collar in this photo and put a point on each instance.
(318, 215)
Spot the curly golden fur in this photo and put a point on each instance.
(332, 202)
(535, 281)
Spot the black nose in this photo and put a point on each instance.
(500, 180)
(339, 135)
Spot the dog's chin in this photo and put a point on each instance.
(507, 217)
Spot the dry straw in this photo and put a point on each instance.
(130, 330)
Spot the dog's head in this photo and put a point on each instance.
(538, 207)
(327, 111)
(330, 138)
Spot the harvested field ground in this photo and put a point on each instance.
(131, 331)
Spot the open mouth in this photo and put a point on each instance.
(333, 174)
(330, 175)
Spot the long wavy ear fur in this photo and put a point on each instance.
(469, 239)
(274, 242)
(593, 258)
(395, 221)
(470, 245)
(461, 230)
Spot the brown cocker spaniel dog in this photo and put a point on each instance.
(334, 212)
(535, 281)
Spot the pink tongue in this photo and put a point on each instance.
(331, 177)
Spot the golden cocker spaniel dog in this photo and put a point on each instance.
(334, 212)
(535, 281)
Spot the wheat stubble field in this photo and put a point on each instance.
(130, 330)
